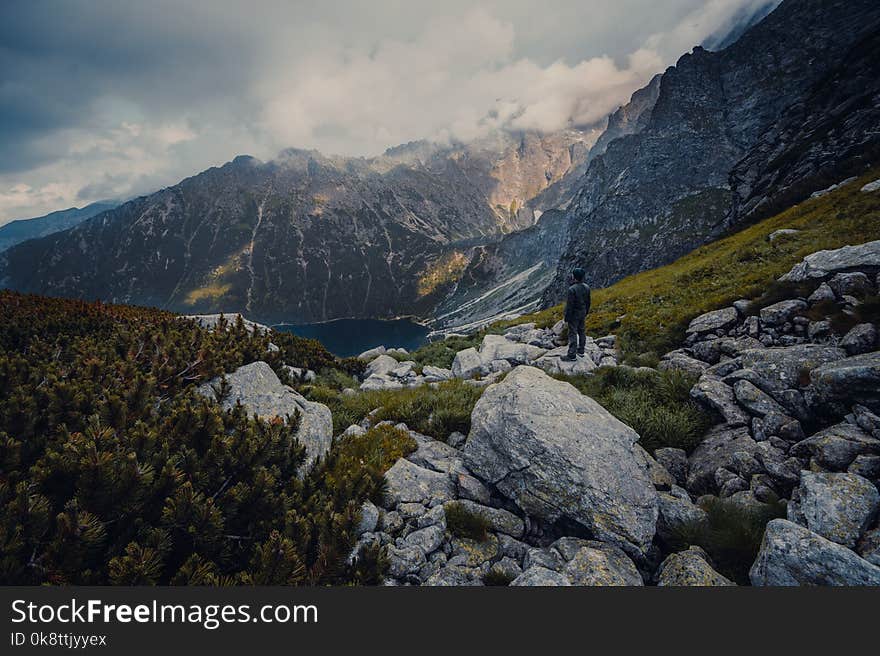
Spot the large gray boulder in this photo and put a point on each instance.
(824, 263)
(793, 555)
(717, 395)
(498, 347)
(721, 447)
(552, 363)
(714, 320)
(467, 364)
(839, 507)
(258, 389)
(538, 576)
(409, 483)
(785, 367)
(837, 446)
(778, 313)
(558, 454)
(851, 380)
(601, 564)
(689, 568)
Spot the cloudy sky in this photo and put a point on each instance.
(107, 99)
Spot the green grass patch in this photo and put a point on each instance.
(656, 404)
(733, 534)
(649, 311)
(428, 410)
(464, 523)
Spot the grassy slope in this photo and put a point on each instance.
(650, 310)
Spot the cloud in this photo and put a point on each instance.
(104, 99)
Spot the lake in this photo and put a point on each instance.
(347, 337)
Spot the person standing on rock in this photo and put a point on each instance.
(577, 305)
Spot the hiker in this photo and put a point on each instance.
(577, 304)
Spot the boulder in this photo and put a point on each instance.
(540, 577)
(778, 313)
(369, 518)
(850, 380)
(674, 461)
(260, 391)
(601, 564)
(714, 320)
(380, 382)
(754, 400)
(428, 539)
(558, 454)
(715, 394)
(301, 375)
(870, 187)
(436, 374)
(825, 263)
(409, 483)
(381, 365)
(860, 339)
(837, 446)
(453, 576)
(793, 555)
(501, 521)
(689, 568)
(404, 561)
(823, 294)
(372, 353)
(551, 363)
(839, 507)
(498, 347)
(467, 364)
(854, 283)
(678, 515)
(785, 367)
(717, 450)
(677, 361)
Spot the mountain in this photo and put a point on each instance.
(740, 23)
(305, 237)
(21, 230)
(506, 276)
(660, 192)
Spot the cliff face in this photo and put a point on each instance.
(304, 237)
(658, 193)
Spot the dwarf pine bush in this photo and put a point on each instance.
(113, 471)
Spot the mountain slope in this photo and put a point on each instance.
(21, 230)
(304, 237)
(657, 194)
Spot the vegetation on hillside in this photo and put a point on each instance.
(112, 470)
(649, 311)
(656, 404)
(435, 411)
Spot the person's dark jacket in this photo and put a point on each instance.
(577, 303)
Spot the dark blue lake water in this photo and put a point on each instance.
(347, 337)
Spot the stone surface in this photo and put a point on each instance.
(467, 364)
(715, 394)
(499, 520)
(714, 320)
(716, 451)
(542, 577)
(839, 507)
(559, 455)
(824, 263)
(257, 388)
(837, 446)
(601, 564)
(854, 380)
(409, 483)
(689, 568)
(678, 515)
(754, 400)
(785, 367)
(778, 313)
(793, 555)
(551, 363)
(860, 339)
(674, 461)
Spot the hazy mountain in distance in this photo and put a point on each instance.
(20, 230)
